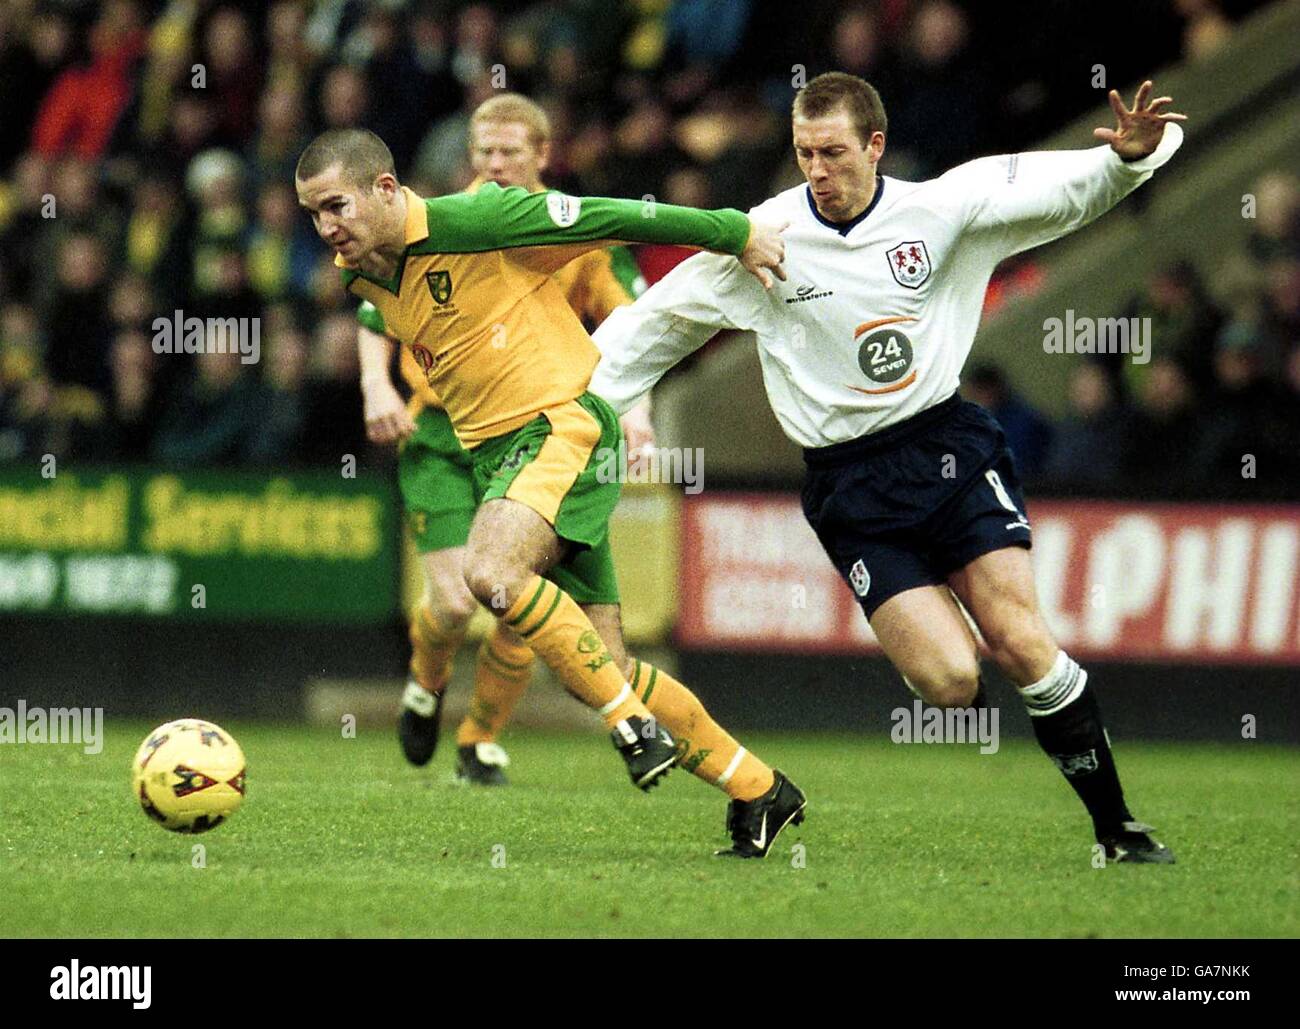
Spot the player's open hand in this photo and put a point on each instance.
(387, 420)
(764, 252)
(1138, 131)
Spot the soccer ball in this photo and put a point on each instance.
(189, 775)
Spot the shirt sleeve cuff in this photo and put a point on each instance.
(1169, 142)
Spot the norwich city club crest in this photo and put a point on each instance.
(439, 285)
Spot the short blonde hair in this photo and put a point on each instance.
(512, 108)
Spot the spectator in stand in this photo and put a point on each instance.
(404, 98)
(645, 153)
(281, 253)
(159, 239)
(131, 304)
(72, 206)
(333, 423)
(1029, 434)
(220, 286)
(1183, 322)
(281, 136)
(33, 54)
(284, 417)
(476, 44)
(1206, 30)
(1280, 314)
(22, 227)
(1275, 230)
(134, 401)
(193, 126)
(936, 120)
(1242, 439)
(1163, 435)
(1285, 427)
(289, 58)
(442, 162)
(75, 315)
(234, 73)
(859, 48)
(81, 110)
(344, 98)
(216, 418)
(1086, 449)
(22, 395)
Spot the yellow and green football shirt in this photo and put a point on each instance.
(594, 285)
(475, 301)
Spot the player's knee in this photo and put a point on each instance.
(492, 583)
(952, 685)
(450, 607)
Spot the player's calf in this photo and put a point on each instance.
(437, 630)
(1067, 722)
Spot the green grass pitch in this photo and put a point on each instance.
(338, 838)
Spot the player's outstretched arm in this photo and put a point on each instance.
(1018, 201)
(516, 220)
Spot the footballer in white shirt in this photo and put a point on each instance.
(911, 490)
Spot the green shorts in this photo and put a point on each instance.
(563, 465)
(435, 475)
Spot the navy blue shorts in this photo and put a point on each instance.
(911, 504)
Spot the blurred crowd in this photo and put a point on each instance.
(1214, 412)
(147, 167)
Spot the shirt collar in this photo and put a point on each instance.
(417, 218)
(843, 228)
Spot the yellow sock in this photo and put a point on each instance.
(708, 750)
(549, 621)
(433, 648)
(504, 667)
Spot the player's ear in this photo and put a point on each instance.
(543, 155)
(876, 146)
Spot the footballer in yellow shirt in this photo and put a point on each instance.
(466, 283)
(509, 144)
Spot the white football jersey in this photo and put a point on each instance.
(878, 315)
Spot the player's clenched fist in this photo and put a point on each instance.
(764, 252)
(387, 420)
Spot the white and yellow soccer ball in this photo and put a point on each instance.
(188, 775)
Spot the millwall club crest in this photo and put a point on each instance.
(439, 285)
(909, 263)
(860, 578)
